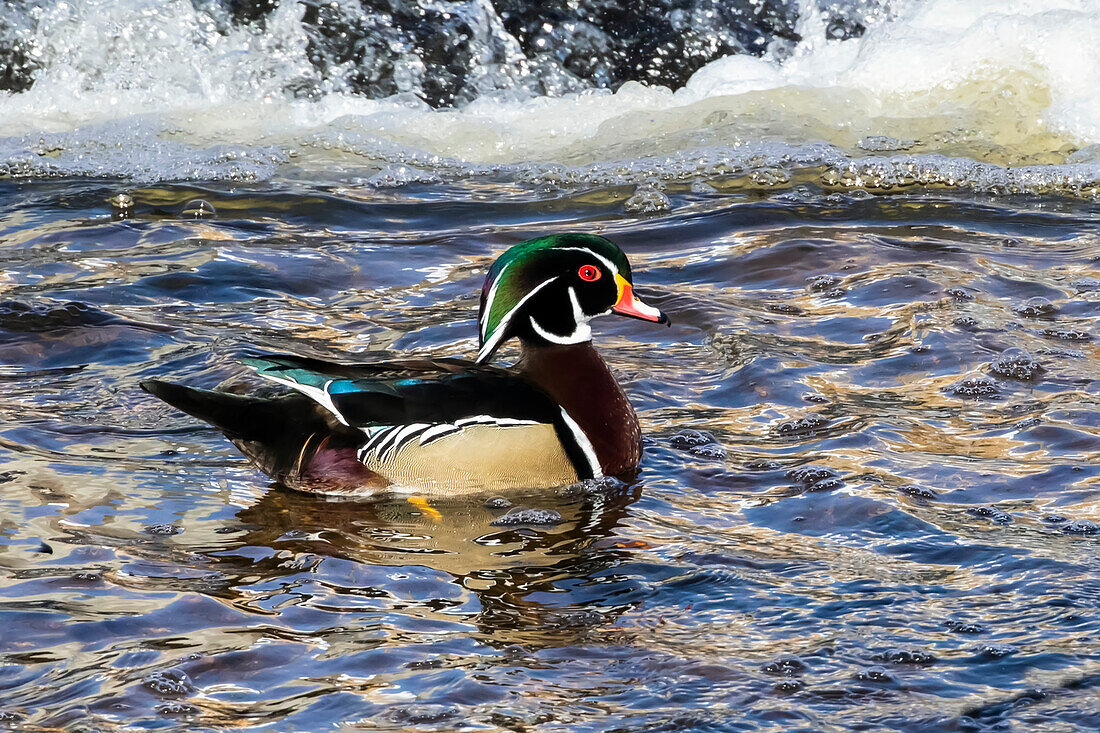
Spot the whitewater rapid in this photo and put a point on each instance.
(999, 97)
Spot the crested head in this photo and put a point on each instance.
(546, 290)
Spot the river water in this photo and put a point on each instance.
(870, 497)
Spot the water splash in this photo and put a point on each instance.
(854, 95)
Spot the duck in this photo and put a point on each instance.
(452, 426)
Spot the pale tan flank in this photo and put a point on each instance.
(481, 458)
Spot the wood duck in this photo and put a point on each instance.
(452, 426)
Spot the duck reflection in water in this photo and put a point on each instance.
(503, 565)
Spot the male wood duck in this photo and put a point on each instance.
(451, 426)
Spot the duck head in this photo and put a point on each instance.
(545, 291)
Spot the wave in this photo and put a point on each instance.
(872, 95)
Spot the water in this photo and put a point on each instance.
(940, 574)
(870, 497)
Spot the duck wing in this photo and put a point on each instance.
(420, 406)
(408, 391)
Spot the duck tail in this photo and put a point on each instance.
(273, 432)
(238, 416)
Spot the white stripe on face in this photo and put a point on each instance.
(610, 265)
(502, 327)
(491, 297)
(581, 330)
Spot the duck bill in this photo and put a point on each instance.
(629, 305)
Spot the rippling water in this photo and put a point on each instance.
(886, 519)
(870, 495)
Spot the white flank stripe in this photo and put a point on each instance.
(444, 429)
(375, 434)
(394, 441)
(374, 438)
(438, 431)
(490, 420)
(584, 443)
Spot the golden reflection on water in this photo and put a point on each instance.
(135, 541)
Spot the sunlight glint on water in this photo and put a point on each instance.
(895, 527)
(869, 498)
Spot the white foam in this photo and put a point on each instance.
(155, 90)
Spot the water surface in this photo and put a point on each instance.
(887, 520)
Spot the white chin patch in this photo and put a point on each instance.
(583, 332)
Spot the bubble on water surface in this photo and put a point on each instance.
(991, 513)
(122, 204)
(1081, 526)
(1037, 307)
(394, 176)
(710, 451)
(820, 283)
(687, 439)
(963, 627)
(920, 492)
(770, 177)
(960, 294)
(1017, 364)
(787, 686)
(647, 200)
(163, 530)
(169, 682)
(516, 517)
(176, 707)
(785, 667)
(1086, 284)
(497, 502)
(917, 657)
(802, 426)
(423, 714)
(1067, 334)
(875, 673)
(809, 475)
(976, 386)
(197, 209)
(997, 651)
(827, 484)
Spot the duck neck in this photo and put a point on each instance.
(579, 380)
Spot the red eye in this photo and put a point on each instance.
(589, 273)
